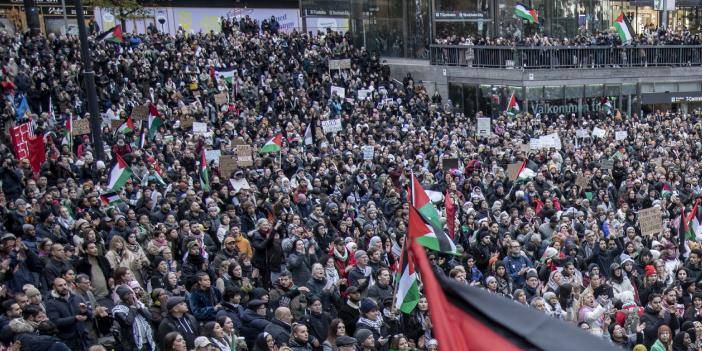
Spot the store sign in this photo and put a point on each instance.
(675, 99)
(671, 98)
(548, 108)
(58, 11)
(459, 15)
(327, 12)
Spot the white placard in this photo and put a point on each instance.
(363, 93)
(599, 132)
(213, 155)
(340, 64)
(199, 127)
(620, 135)
(551, 141)
(535, 143)
(483, 128)
(368, 152)
(341, 92)
(332, 125)
(582, 133)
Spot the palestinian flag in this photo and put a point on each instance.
(113, 34)
(512, 106)
(226, 75)
(694, 223)
(126, 127)
(119, 174)
(427, 224)
(153, 124)
(111, 199)
(469, 318)
(156, 174)
(526, 13)
(623, 26)
(204, 172)
(273, 145)
(407, 289)
(527, 171)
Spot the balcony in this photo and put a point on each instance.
(566, 57)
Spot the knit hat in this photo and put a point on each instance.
(122, 291)
(361, 335)
(174, 301)
(368, 305)
(345, 341)
(360, 253)
(549, 295)
(532, 273)
(650, 270)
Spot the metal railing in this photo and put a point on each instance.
(547, 57)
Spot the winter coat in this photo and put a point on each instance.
(300, 267)
(252, 325)
(280, 331)
(268, 252)
(189, 331)
(233, 312)
(202, 303)
(317, 325)
(653, 322)
(62, 312)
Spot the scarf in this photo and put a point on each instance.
(140, 329)
(373, 324)
(339, 256)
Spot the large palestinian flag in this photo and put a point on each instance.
(113, 34)
(467, 318)
(431, 232)
(204, 172)
(119, 174)
(694, 221)
(512, 106)
(623, 26)
(526, 13)
(407, 290)
(273, 145)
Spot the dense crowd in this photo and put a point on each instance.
(300, 250)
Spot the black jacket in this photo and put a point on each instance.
(653, 321)
(62, 312)
(252, 325)
(280, 331)
(188, 327)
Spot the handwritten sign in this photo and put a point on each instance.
(244, 155)
(483, 128)
(81, 126)
(213, 155)
(582, 133)
(115, 123)
(620, 135)
(513, 170)
(340, 64)
(599, 132)
(140, 112)
(220, 99)
(340, 92)
(368, 152)
(199, 127)
(332, 125)
(227, 165)
(363, 93)
(650, 221)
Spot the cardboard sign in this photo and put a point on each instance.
(332, 125)
(186, 122)
(650, 221)
(620, 135)
(368, 152)
(199, 127)
(220, 99)
(340, 64)
(227, 165)
(340, 92)
(81, 126)
(599, 133)
(483, 128)
(582, 182)
(244, 155)
(513, 170)
(140, 113)
(448, 164)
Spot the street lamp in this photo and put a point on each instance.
(89, 80)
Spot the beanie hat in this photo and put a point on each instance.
(362, 334)
(360, 253)
(368, 305)
(532, 273)
(122, 291)
(650, 270)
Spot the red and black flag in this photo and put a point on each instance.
(467, 318)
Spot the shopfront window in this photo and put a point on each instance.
(394, 27)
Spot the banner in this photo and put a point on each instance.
(20, 137)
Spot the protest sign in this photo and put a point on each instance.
(213, 155)
(535, 143)
(363, 93)
(582, 133)
(448, 164)
(368, 152)
(81, 126)
(650, 221)
(513, 170)
(599, 133)
(227, 165)
(140, 113)
(341, 92)
(199, 127)
(620, 135)
(340, 64)
(483, 128)
(115, 123)
(550, 141)
(186, 122)
(220, 99)
(332, 125)
(244, 154)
